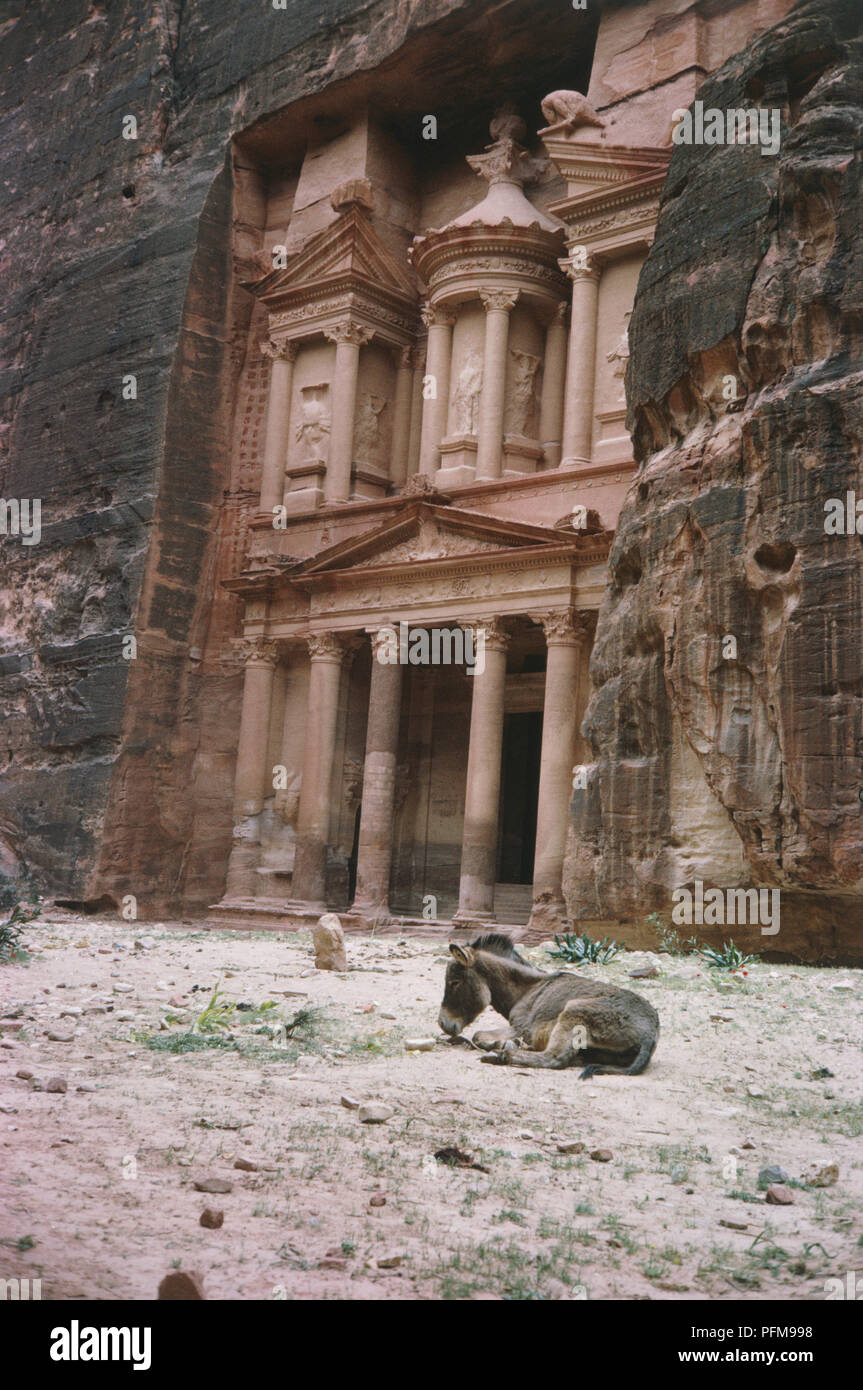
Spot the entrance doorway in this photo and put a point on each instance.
(522, 741)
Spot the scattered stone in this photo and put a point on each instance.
(61, 1035)
(10, 1025)
(182, 1285)
(391, 1261)
(721, 1018)
(56, 1085)
(8, 1109)
(644, 972)
(124, 1016)
(178, 1001)
(85, 1086)
(213, 1185)
(72, 1011)
(328, 938)
(820, 1074)
(246, 1165)
(822, 1177)
(602, 1155)
(417, 1044)
(754, 1091)
(571, 1146)
(333, 1262)
(349, 1103)
(748, 1144)
(24, 1074)
(734, 1225)
(770, 1174)
(122, 988)
(145, 943)
(525, 1134)
(95, 1009)
(375, 1114)
(457, 1158)
(779, 1197)
(379, 1200)
(212, 1218)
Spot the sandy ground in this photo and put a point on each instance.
(97, 1194)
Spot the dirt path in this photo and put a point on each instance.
(96, 1184)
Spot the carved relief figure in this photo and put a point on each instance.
(521, 407)
(567, 110)
(368, 438)
(313, 431)
(619, 354)
(286, 802)
(466, 396)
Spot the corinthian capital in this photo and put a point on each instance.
(502, 300)
(325, 646)
(260, 651)
(580, 265)
(566, 626)
(494, 634)
(284, 351)
(348, 332)
(434, 316)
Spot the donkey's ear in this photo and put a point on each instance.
(463, 954)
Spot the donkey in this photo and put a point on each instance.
(562, 1019)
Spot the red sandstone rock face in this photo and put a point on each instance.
(742, 768)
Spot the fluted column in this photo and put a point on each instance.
(348, 338)
(282, 355)
(581, 362)
(553, 388)
(326, 653)
(567, 636)
(402, 416)
(374, 853)
(489, 454)
(436, 407)
(260, 658)
(482, 795)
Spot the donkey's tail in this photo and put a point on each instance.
(638, 1064)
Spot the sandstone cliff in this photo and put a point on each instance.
(741, 762)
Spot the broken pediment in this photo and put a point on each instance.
(423, 532)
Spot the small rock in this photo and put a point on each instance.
(24, 1074)
(349, 1103)
(181, 1285)
(391, 1018)
(333, 1262)
(644, 972)
(571, 1146)
(328, 939)
(418, 1044)
(748, 1144)
(122, 988)
(178, 1001)
(95, 1009)
(61, 1035)
(73, 1011)
(246, 1165)
(602, 1155)
(86, 1086)
(56, 1085)
(525, 1134)
(772, 1173)
(779, 1197)
(754, 1091)
(212, 1218)
(373, 1114)
(379, 1200)
(145, 943)
(734, 1225)
(391, 1261)
(124, 1016)
(213, 1185)
(822, 1177)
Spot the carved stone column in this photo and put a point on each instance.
(435, 408)
(348, 338)
(489, 455)
(282, 355)
(402, 417)
(260, 658)
(567, 635)
(553, 388)
(581, 363)
(326, 653)
(482, 795)
(374, 852)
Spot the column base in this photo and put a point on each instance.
(547, 918)
(574, 462)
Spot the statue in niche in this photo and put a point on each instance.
(466, 396)
(286, 803)
(522, 403)
(313, 431)
(367, 432)
(619, 354)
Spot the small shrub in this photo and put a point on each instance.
(729, 958)
(581, 950)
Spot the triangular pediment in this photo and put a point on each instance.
(422, 532)
(594, 172)
(347, 251)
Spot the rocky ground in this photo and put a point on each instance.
(113, 1115)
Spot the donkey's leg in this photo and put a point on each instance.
(568, 1037)
(491, 1039)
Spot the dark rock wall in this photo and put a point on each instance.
(756, 274)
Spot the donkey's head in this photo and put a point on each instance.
(466, 989)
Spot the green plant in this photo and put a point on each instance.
(670, 940)
(581, 950)
(11, 946)
(217, 1013)
(729, 958)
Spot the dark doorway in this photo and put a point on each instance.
(522, 740)
(354, 856)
